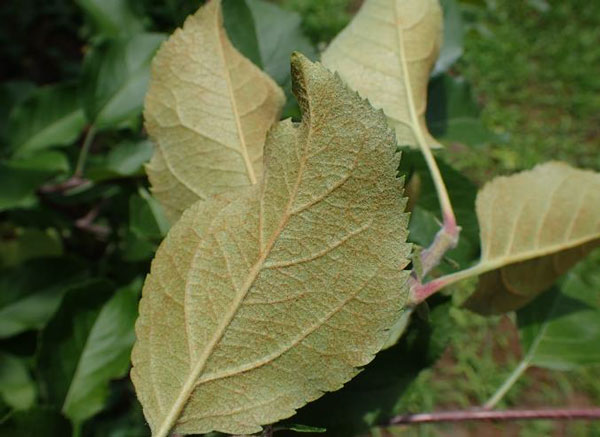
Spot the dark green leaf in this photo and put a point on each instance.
(22, 244)
(116, 75)
(453, 114)
(124, 160)
(17, 388)
(51, 116)
(31, 293)
(37, 422)
(112, 17)
(11, 95)
(87, 344)
(124, 419)
(561, 328)
(279, 34)
(20, 178)
(241, 31)
(147, 226)
(147, 218)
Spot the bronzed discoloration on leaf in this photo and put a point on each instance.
(386, 53)
(208, 111)
(257, 305)
(534, 227)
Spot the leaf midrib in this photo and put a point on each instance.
(243, 147)
(414, 123)
(486, 265)
(191, 382)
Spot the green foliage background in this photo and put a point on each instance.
(74, 248)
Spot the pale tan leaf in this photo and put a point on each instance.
(534, 226)
(257, 306)
(208, 111)
(386, 54)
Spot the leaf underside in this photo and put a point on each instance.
(208, 111)
(386, 54)
(258, 304)
(535, 226)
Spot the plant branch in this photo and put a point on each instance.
(85, 149)
(474, 415)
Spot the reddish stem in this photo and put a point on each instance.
(462, 416)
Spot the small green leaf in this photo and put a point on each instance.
(36, 422)
(17, 388)
(112, 18)
(386, 54)
(286, 289)
(31, 293)
(51, 116)
(301, 428)
(239, 23)
(20, 178)
(561, 328)
(535, 226)
(115, 79)
(85, 345)
(126, 159)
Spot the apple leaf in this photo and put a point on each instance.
(208, 111)
(260, 303)
(386, 53)
(535, 226)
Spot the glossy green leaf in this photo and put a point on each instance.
(535, 226)
(386, 54)
(51, 116)
(20, 178)
(241, 30)
(115, 79)
(17, 388)
(284, 290)
(561, 329)
(112, 18)
(208, 111)
(85, 345)
(453, 115)
(31, 293)
(36, 422)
